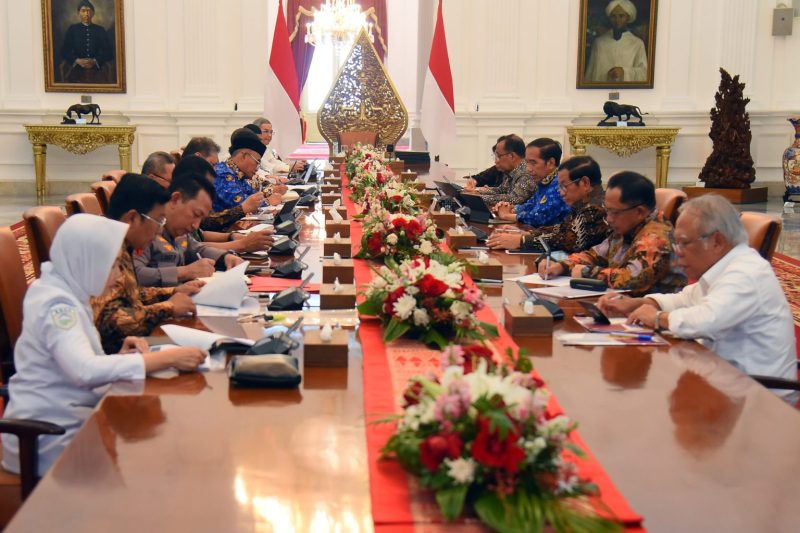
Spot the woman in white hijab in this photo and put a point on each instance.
(61, 367)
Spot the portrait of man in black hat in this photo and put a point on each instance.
(82, 48)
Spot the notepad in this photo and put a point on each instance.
(558, 281)
(183, 336)
(569, 293)
(224, 290)
(606, 339)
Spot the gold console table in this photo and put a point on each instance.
(626, 141)
(78, 139)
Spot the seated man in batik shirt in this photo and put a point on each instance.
(517, 185)
(545, 207)
(637, 255)
(232, 182)
(128, 309)
(580, 185)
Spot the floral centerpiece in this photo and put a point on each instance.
(394, 196)
(366, 171)
(397, 236)
(425, 298)
(482, 435)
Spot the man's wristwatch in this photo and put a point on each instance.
(657, 326)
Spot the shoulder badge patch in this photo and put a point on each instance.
(64, 316)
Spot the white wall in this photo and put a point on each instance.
(190, 61)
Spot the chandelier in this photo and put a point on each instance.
(337, 22)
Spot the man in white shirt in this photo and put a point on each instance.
(271, 162)
(737, 308)
(618, 55)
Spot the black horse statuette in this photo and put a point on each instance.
(83, 109)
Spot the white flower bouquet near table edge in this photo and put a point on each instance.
(481, 436)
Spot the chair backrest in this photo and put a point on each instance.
(83, 202)
(12, 292)
(350, 138)
(113, 175)
(762, 231)
(103, 190)
(668, 201)
(41, 224)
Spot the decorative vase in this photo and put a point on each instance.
(791, 163)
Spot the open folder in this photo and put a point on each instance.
(224, 290)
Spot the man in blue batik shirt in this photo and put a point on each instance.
(545, 207)
(231, 183)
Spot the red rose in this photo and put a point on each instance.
(474, 353)
(433, 450)
(380, 178)
(375, 243)
(399, 223)
(492, 451)
(413, 229)
(396, 198)
(388, 305)
(430, 286)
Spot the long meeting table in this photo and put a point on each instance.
(692, 443)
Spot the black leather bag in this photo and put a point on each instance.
(264, 371)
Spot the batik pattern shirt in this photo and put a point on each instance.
(583, 228)
(517, 186)
(128, 309)
(231, 185)
(221, 221)
(545, 207)
(640, 261)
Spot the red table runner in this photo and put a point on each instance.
(395, 505)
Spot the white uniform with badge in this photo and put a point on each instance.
(62, 371)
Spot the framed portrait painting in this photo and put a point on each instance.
(617, 44)
(84, 46)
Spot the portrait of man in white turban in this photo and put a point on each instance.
(618, 56)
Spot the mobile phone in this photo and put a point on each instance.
(595, 312)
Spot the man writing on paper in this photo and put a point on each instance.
(128, 309)
(232, 182)
(637, 255)
(517, 185)
(175, 256)
(580, 185)
(737, 306)
(546, 206)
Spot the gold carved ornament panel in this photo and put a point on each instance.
(81, 139)
(363, 98)
(623, 142)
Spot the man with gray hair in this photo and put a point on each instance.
(158, 167)
(736, 308)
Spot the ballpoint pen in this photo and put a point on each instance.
(637, 336)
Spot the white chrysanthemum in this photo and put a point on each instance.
(378, 282)
(404, 306)
(461, 310)
(425, 247)
(421, 317)
(557, 425)
(461, 470)
(534, 448)
(391, 239)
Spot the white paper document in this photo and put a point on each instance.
(224, 290)
(249, 305)
(558, 281)
(569, 293)
(257, 227)
(183, 336)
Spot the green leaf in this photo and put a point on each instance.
(451, 501)
(370, 307)
(434, 337)
(395, 329)
(489, 329)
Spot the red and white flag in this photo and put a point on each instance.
(438, 121)
(281, 95)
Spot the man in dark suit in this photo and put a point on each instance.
(86, 49)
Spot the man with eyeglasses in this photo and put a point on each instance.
(272, 163)
(158, 167)
(231, 182)
(517, 185)
(545, 207)
(737, 307)
(580, 185)
(637, 255)
(491, 177)
(128, 309)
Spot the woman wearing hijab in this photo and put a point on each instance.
(61, 366)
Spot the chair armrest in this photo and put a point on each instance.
(28, 432)
(777, 383)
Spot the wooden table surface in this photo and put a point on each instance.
(690, 441)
